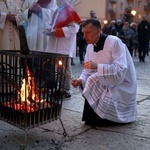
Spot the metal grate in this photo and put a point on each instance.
(30, 88)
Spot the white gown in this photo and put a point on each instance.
(111, 89)
(64, 45)
(9, 37)
(37, 41)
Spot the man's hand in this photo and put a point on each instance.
(11, 17)
(90, 65)
(47, 32)
(76, 82)
(58, 32)
(35, 8)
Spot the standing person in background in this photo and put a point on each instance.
(118, 30)
(111, 26)
(93, 14)
(134, 38)
(82, 45)
(37, 18)
(127, 37)
(105, 28)
(143, 33)
(108, 80)
(10, 17)
(62, 36)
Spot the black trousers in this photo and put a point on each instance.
(91, 118)
(142, 50)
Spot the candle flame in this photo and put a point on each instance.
(60, 62)
(66, 72)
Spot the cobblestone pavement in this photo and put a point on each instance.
(49, 136)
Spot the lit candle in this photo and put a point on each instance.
(68, 75)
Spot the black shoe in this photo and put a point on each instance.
(66, 94)
(72, 63)
(61, 94)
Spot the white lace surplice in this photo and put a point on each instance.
(111, 90)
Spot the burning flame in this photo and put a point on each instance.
(28, 96)
(28, 89)
(24, 93)
(67, 73)
(60, 62)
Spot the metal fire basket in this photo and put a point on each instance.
(31, 87)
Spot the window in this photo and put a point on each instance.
(114, 6)
(121, 6)
(149, 4)
(139, 4)
(139, 16)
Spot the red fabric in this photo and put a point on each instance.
(65, 16)
(59, 32)
(43, 3)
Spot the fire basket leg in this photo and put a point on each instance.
(23, 146)
(25, 136)
(64, 133)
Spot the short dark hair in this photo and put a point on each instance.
(93, 21)
(92, 12)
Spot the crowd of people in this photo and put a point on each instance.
(135, 36)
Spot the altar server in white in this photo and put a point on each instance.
(62, 36)
(37, 15)
(108, 80)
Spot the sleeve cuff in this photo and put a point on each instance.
(3, 14)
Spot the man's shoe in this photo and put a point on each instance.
(61, 94)
(66, 94)
(72, 63)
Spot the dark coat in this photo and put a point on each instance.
(118, 31)
(143, 31)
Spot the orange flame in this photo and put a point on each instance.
(60, 62)
(28, 88)
(28, 96)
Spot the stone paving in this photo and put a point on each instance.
(134, 136)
